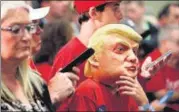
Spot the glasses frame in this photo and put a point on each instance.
(29, 28)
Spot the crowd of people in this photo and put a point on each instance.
(41, 37)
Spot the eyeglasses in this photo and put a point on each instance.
(18, 30)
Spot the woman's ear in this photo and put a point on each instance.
(94, 61)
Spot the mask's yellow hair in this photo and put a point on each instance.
(96, 40)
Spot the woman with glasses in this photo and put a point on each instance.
(22, 88)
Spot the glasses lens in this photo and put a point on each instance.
(31, 28)
(15, 29)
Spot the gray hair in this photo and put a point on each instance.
(7, 5)
(165, 32)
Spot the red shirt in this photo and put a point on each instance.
(44, 69)
(93, 96)
(69, 52)
(165, 78)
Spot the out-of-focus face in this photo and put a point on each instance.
(134, 12)
(173, 17)
(118, 57)
(123, 8)
(15, 45)
(59, 8)
(36, 39)
(173, 44)
(111, 14)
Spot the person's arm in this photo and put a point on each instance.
(159, 94)
(157, 106)
(74, 47)
(131, 87)
(150, 72)
(69, 52)
(61, 86)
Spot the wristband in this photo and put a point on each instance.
(165, 98)
(146, 107)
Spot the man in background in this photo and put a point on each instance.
(169, 15)
(135, 11)
(166, 78)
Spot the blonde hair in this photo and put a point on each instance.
(96, 40)
(28, 79)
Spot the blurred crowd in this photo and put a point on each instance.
(53, 33)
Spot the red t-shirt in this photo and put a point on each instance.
(44, 69)
(93, 96)
(69, 52)
(165, 78)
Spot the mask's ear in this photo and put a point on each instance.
(94, 61)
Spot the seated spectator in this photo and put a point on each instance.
(166, 78)
(116, 44)
(135, 11)
(55, 35)
(22, 88)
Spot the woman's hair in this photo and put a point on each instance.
(24, 74)
(28, 79)
(7, 6)
(55, 35)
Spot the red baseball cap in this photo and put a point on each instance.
(83, 6)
